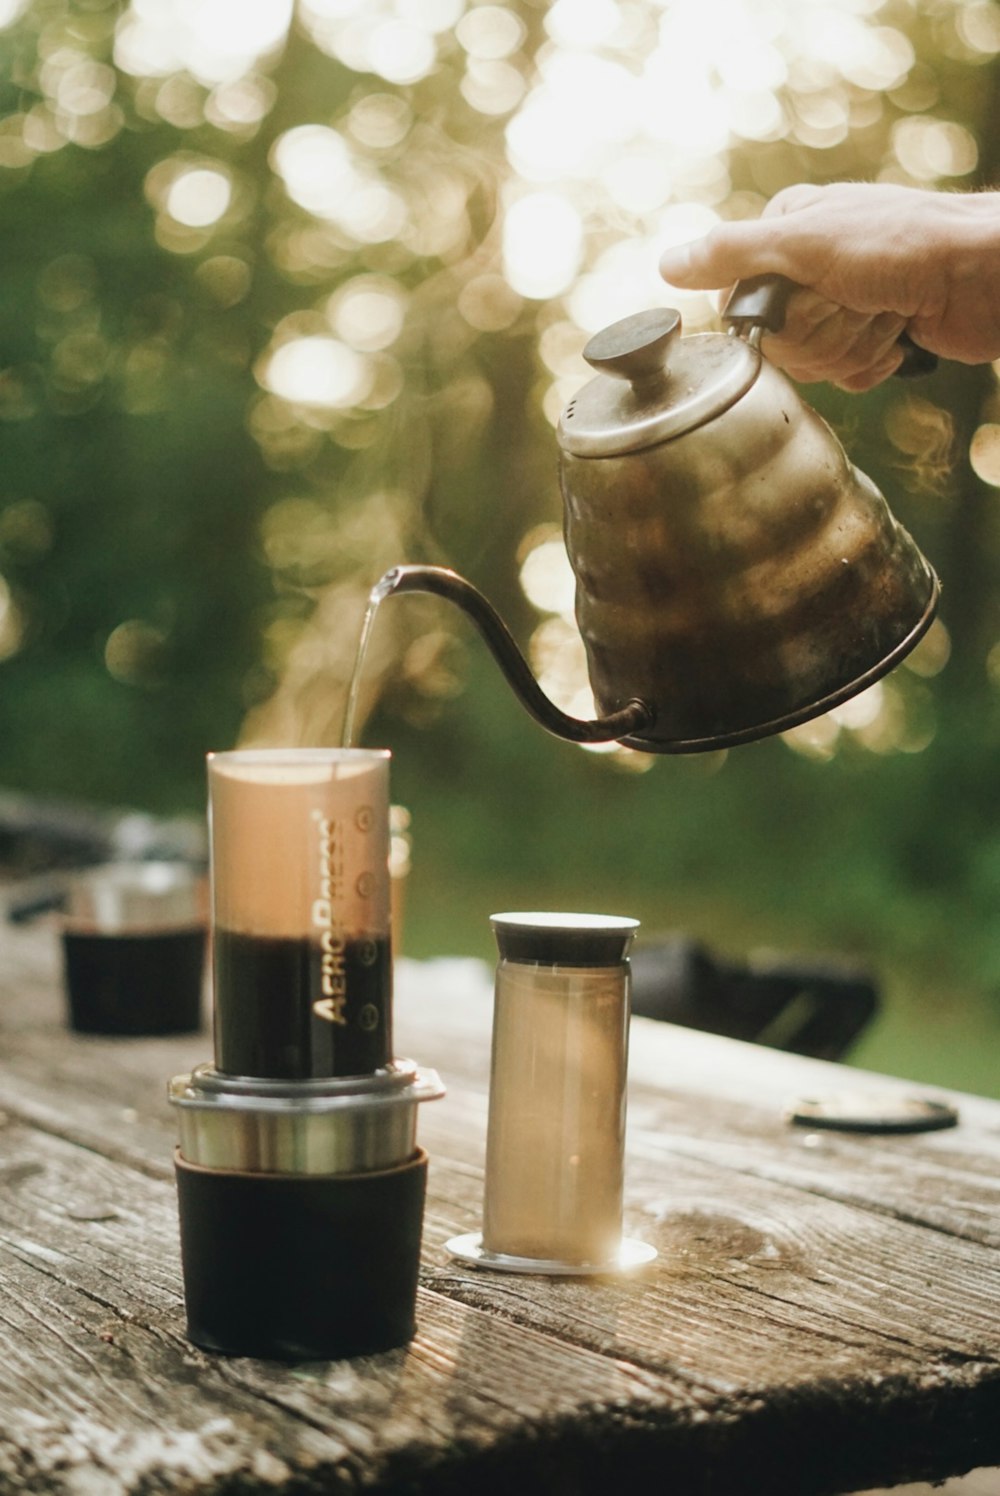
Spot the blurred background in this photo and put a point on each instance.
(292, 293)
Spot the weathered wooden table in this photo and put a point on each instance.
(824, 1315)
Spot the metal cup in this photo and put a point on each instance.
(133, 939)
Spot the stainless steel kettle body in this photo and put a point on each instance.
(735, 574)
(740, 576)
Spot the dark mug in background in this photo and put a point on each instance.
(133, 939)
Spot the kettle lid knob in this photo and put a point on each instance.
(636, 348)
(652, 385)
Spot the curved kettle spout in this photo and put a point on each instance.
(629, 719)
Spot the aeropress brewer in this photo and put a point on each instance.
(300, 1183)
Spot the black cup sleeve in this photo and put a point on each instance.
(301, 1266)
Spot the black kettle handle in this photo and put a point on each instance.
(762, 300)
(759, 301)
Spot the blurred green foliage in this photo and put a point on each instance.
(275, 314)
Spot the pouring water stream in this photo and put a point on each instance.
(378, 594)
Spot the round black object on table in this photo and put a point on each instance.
(301, 1267)
(853, 1111)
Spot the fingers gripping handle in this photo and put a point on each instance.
(758, 305)
(758, 302)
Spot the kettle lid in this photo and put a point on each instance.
(653, 385)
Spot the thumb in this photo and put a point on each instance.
(727, 253)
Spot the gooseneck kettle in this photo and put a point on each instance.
(735, 573)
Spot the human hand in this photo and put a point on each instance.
(872, 260)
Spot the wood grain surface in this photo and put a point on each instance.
(823, 1317)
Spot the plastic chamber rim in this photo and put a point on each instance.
(296, 755)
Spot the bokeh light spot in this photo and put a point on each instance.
(490, 32)
(435, 16)
(11, 623)
(368, 313)
(984, 454)
(929, 148)
(932, 654)
(862, 710)
(225, 278)
(978, 25)
(199, 198)
(380, 120)
(132, 652)
(582, 23)
(314, 163)
(241, 104)
(492, 87)
(547, 579)
(215, 41)
(816, 739)
(489, 304)
(401, 53)
(86, 88)
(319, 371)
(542, 244)
(11, 11)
